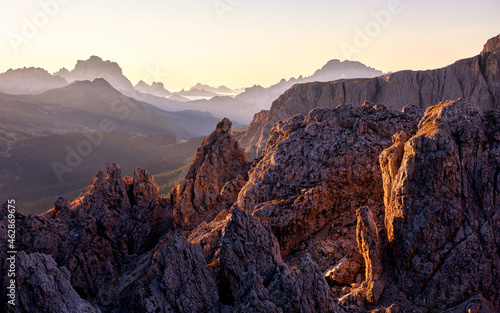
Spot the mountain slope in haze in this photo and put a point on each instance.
(29, 81)
(89, 106)
(36, 167)
(476, 79)
(219, 90)
(333, 70)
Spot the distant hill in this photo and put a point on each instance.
(155, 89)
(331, 71)
(218, 90)
(28, 174)
(82, 106)
(29, 81)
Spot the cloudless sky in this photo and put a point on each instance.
(240, 43)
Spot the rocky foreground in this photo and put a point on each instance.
(353, 209)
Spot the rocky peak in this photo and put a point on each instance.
(492, 45)
(218, 161)
(96, 67)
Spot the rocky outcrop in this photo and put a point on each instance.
(476, 79)
(214, 178)
(45, 287)
(93, 236)
(249, 258)
(492, 45)
(316, 171)
(246, 243)
(177, 280)
(442, 210)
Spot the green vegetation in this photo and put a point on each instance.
(28, 175)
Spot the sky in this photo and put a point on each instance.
(239, 43)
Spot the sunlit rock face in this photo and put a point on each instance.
(442, 206)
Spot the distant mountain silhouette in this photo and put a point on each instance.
(196, 93)
(82, 106)
(331, 71)
(155, 89)
(29, 81)
(218, 90)
(95, 67)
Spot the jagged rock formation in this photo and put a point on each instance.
(93, 235)
(46, 288)
(177, 279)
(249, 257)
(246, 243)
(316, 171)
(476, 79)
(492, 45)
(403, 206)
(215, 176)
(442, 210)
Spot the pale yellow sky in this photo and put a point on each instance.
(240, 43)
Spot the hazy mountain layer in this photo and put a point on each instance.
(333, 70)
(29, 81)
(92, 106)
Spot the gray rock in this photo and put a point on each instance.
(44, 287)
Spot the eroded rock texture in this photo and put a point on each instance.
(442, 206)
(93, 236)
(401, 208)
(316, 171)
(45, 287)
(215, 176)
(174, 279)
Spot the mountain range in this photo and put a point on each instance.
(475, 79)
(357, 195)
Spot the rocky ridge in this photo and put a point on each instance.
(476, 79)
(352, 209)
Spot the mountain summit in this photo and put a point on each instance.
(95, 67)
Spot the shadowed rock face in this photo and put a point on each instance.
(45, 287)
(173, 278)
(442, 209)
(476, 79)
